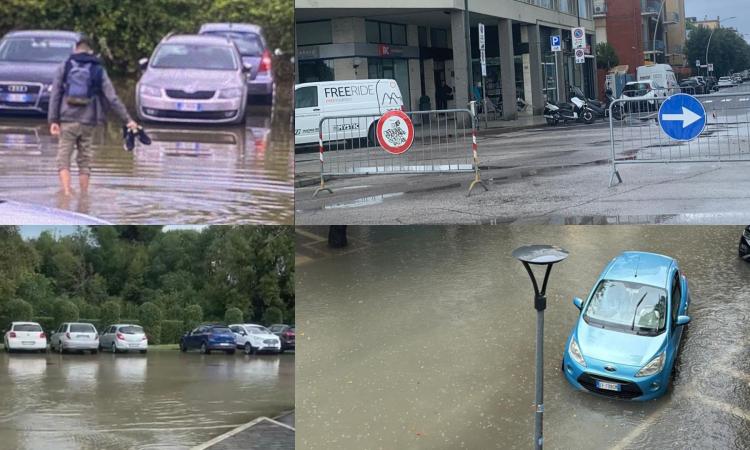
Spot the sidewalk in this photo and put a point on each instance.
(522, 122)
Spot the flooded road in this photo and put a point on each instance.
(423, 338)
(190, 174)
(166, 400)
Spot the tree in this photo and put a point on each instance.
(109, 313)
(150, 318)
(606, 56)
(65, 311)
(272, 315)
(233, 315)
(193, 316)
(728, 51)
(19, 311)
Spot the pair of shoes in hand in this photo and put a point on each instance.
(130, 136)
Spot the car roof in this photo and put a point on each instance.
(198, 39)
(44, 33)
(231, 26)
(24, 323)
(125, 325)
(640, 267)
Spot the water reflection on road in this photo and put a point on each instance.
(423, 338)
(190, 174)
(163, 400)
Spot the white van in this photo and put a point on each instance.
(314, 101)
(662, 77)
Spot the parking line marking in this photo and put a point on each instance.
(640, 429)
(736, 374)
(727, 408)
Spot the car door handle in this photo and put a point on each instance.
(316, 109)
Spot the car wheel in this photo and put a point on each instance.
(60, 348)
(204, 349)
(113, 349)
(183, 348)
(44, 350)
(248, 349)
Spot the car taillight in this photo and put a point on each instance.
(96, 337)
(120, 336)
(12, 334)
(67, 335)
(42, 335)
(265, 62)
(143, 338)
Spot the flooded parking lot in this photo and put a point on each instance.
(423, 338)
(165, 400)
(190, 174)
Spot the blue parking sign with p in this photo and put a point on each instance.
(555, 43)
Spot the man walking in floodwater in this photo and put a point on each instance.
(80, 90)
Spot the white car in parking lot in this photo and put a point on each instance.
(27, 336)
(726, 82)
(123, 338)
(75, 336)
(255, 338)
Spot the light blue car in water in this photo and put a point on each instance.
(625, 341)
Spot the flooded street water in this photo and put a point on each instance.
(165, 400)
(423, 338)
(190, 174)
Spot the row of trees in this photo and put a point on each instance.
(127, 30)
(729, 52)
(168, 282)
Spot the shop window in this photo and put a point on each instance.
(385, 33)
(439, 38)
(314, 33)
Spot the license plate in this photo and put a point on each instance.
(607, 386)
(18, 98)
(81, 336)
(133, 345)
(189, 107)
(27, 342)
(188, 146)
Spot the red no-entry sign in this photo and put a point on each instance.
(395, 132)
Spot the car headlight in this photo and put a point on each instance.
(151, 91)
(747, 234)
(230, 93)
(652, 367)
(575, 353)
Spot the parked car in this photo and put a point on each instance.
(251, 44)
(645, 91)
(123, 338)
(209, 337)
(255, 338)
(726, 82)
(692, 87)
(28, 62)
(26, 336)
(286, 333)
(75, 336)
(744, 248)
(193, 78)
(627, 336)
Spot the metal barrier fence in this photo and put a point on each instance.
(444, 142)
(637, 138)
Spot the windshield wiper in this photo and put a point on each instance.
(632, 326)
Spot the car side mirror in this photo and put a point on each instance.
(682, 320)
(278, 52)
(143, 63)
(577, 302)
(247, 67)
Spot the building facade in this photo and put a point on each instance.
(676, 28)
(425, 45)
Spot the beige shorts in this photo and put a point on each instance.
(75, 137)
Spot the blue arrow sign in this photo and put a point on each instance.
(682, 117)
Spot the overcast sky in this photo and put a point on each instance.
(723, 9)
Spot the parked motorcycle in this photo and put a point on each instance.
(577, 110)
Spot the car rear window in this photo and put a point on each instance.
(82, 328)
(131, 329)
(30, 49)
(27, 327)
(194, 56)
(249, 44)
(221, 330)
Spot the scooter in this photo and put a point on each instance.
(577, 110)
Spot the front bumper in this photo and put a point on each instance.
(20, 344)
(631, 387)
(213, 110)
(744, 249)
(34, 99)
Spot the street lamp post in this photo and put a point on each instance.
(539, 255)
(656, 29)
(709, 42)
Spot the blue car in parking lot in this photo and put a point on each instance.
(627, 336)
(209, 337)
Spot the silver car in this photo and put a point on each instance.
(75, 336)
(123, 338)
(193, 78)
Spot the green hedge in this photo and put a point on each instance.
(95, 322)
(48, 323)
(171, 331)
(18, 310)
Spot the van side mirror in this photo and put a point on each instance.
(577, 302)
(143, 63)
(682, 320)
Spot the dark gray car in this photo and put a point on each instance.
(28, 62)
(252, 46)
